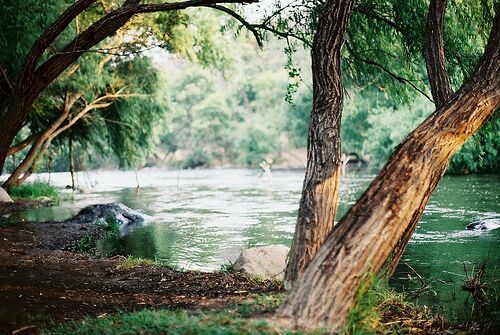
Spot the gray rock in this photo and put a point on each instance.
(267, 262)
(4, 196)
(121, 213)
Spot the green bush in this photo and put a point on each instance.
(480, 153)
(198, 158)
(34, 190)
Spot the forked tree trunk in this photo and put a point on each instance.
(388, 211)
(320, 190)
(24, 169)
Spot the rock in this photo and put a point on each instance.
(484, 224)
(267, 262)
(4, 196)
(121, 213)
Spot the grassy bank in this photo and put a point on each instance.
(35, 190)
(379, 310)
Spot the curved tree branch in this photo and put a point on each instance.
(50, 34)
(23, 144)
(242, 20)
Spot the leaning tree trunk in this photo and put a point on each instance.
(388, 211)
(441, 89)
(320, 191)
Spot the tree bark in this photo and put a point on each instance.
(441, 90)
(71, 162)
(320, 190)
(388, 211)
(434, 54)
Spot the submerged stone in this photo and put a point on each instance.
(484, 224)
(267, 262)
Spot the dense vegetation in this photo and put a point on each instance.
(215, 102)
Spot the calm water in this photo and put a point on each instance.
(203, 218)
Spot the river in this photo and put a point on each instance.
(203, 218)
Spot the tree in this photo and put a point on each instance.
(383, 219)
(393, 66)
(321, 184)
(35, 77)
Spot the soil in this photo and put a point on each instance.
(42, 284)
(7, 208)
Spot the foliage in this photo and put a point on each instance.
(220, 103)
(480, 153)
(34, 190)
(374, 303)
(89, 243)
(133, 262)
(232, 116)
(380, 310)
(384, 43)
(232, 320)
(297, 119)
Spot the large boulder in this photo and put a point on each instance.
(121, 213)
(4, 196)
(267, 262)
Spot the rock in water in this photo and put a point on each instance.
(484, 224)
(267, 262)
(121, 213)
(4, 196)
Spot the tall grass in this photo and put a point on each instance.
(34, 190)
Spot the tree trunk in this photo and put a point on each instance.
(388, 211)
(71, 162)
(440, 87)
(25, 166)
(434, 54)
(321, 184)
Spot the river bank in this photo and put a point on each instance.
(201, 219)
(41, 283)
(44, 282)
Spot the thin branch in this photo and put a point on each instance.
(5, 82)
(389, 72)
(150, 8)
(244, 22)
(369, 12)
(284, 34)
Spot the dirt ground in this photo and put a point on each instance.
(40, 283)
